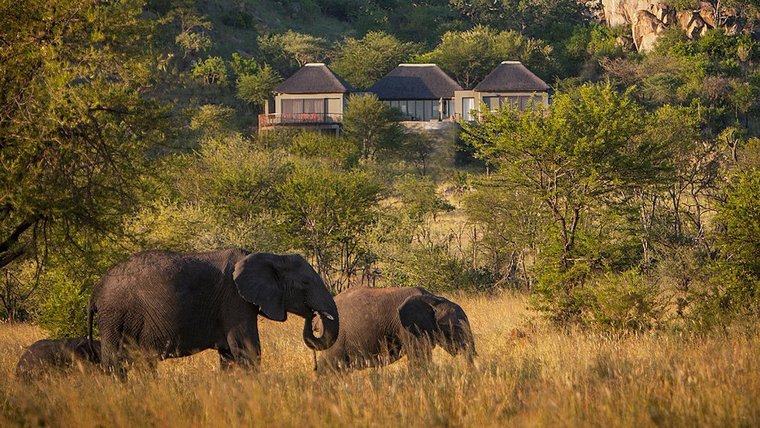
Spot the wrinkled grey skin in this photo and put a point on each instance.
(44, 356)
(167, 305)
(380, 325)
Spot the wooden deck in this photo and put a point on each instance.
(319, 120)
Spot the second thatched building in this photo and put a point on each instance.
(422, 92)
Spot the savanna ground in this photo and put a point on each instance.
(527, 374)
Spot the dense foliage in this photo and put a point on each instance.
(630, 204)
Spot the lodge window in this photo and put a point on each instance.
(519, 102)
(421, 110)
(298, 106)
(493, 103)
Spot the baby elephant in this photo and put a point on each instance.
(380, 325)
(56, 354)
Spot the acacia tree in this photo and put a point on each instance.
(372, 125)
(547, 19)
(327, 212)
(192, 38)
(579, 160)
(303, 48)
(468, 56)
(75, 120)
(362, 62)
(256, 88)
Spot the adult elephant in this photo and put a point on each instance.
(380, 325)
(167, 305)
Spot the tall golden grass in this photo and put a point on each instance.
(527, 374)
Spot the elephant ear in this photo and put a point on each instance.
(258, 282)
(417, 316)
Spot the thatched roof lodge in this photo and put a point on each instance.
(314, 96)
(510, 82)
(422, 92)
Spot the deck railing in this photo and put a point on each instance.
(275, 119)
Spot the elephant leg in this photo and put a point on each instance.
(420, 355)
(226, 360)
(244, 347)
(390, 352)
(419, 351)
(113, 356)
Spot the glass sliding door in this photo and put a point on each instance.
(468, 107)
(448, 108)
(493, 103)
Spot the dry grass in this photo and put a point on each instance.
(534, 376)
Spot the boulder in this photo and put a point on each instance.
(707, 13)
(663, 12)
(645, 28)
(692, 23)
(625, 42)
(648, 19)
(619, 13)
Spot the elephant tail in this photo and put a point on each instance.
(90, 317)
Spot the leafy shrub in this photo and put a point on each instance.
(435, 269)
(257, 88)
(733, 291)
(627, 301)
(337, 151)
(64, 312)
(212, 120)
(239, 19)
(211, 71)
(326, 214)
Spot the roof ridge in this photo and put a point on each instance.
(511, 76)
(415, 81)
(338, 79)
(314, 77)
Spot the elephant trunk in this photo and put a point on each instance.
(326, 325)
(471, 353)
(469, 341)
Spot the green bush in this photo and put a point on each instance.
(211, 71)
(433, 268)
(337, 151)
(626, 301)
(733, 290)
(213, 120)
(64, 311)
(256, 88)
(239, 19)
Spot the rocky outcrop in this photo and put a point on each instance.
(650, 18)
(645, 28)
(692, 23)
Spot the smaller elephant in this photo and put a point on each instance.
(380, 325)
(43, 356)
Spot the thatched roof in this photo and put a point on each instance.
(415, 82)
(314, 78)
(511, 76)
